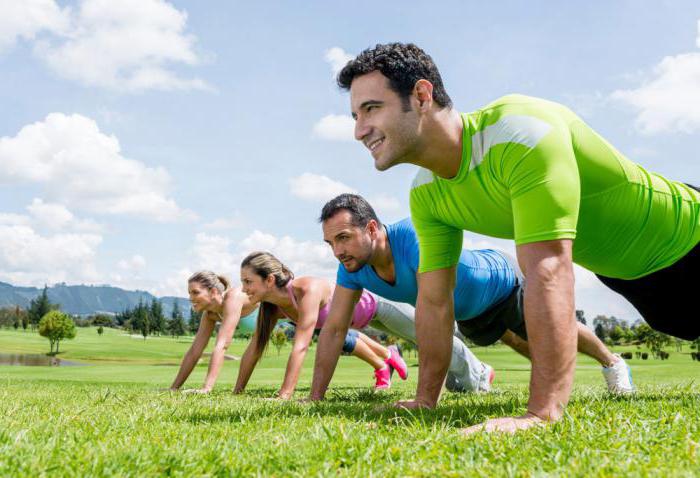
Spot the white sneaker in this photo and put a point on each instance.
(619, 377)
(486, 379)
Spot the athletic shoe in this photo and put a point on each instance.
(382, 379)
(456, 384)
(619, 377)
(486, 379)
(396, 362)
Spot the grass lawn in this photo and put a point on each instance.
(108, 418)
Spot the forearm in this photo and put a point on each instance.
(330, 344)
(552, 336)
(188, 362)
(215, 364)
(248, 362)
(434, 327)
(291, 375)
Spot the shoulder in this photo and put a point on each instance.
(306, 285)
(423, 176)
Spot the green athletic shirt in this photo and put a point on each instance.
(533, 171)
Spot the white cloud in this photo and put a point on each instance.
(669, 99)
(57, 217)
(129, 45)
(26, 18)
(81, 167)
(133, 264)
(315, 187)
(312, 258)
(337, 58)
(27, 257)
(335, 128)
(213, 252)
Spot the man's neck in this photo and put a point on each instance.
(441, 150)
(382, 260)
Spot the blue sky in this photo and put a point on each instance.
(143, 139)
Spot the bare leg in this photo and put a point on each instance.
(516, 343)
(588, 344)
(376, 347)
(364, 352)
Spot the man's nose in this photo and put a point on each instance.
(362, 129)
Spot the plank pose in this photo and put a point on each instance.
(529, 170)
(212, 295)
(487, 296)
(305, 301)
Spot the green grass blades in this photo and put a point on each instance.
(109, 419)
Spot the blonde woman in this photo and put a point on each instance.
(212, 295)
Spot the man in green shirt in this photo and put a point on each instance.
(530, 170)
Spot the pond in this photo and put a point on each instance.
(34, 360)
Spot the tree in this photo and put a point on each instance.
(157, 319)
(39, 307)
(580, 317)
(100, 330)
(616, 334)
(600, 332)
(193, 323)
(278, 339)
(176, 325)
(56, 326)
(408, 347)
(143, 321)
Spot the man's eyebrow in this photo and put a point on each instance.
(370, 103)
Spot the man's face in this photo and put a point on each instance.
(389, 132)
(352, 245)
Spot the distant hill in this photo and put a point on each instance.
(88, 299)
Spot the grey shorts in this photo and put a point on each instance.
(488, 327)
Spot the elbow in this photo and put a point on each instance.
(551, 272)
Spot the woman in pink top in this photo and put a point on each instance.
(305, 301)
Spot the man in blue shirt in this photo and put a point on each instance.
(487, 297)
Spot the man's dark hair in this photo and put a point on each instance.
(403, 64)
(358, 207)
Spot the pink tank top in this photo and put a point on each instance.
(365, 308)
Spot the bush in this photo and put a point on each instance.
(645, 355)
(626, 355)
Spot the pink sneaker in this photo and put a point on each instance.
(396, 362)
(383, 379)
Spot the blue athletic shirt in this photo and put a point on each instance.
(484, 277)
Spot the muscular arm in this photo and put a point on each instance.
(236, 304)
(330, 342)
(550, 323)
(307, 318)
(434, 328)
(201, 339)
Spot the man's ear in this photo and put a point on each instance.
(423, 93)
(372, 228)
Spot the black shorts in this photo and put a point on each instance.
(488, 327)
(667, 298)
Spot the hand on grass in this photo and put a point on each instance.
(412, 405)
(505, 424)
(198, 391)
